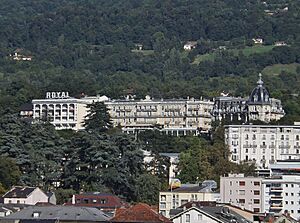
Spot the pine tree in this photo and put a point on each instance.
(98, 118)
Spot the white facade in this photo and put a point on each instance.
(282, 194)
(177, 117)
(171, 199)
(263, 144)
(65, 112)
(194, 215)
(276, 194)
(243, 192)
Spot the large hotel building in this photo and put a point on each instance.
(173, 116)
(177, 117)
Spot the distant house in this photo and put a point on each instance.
(26, 110)
(195, 212)
(138, 46)
(25, 195)
(139, 213)
(20, 55)
(53, 214)
(258, 40)
(190, 45)
(280, 43)
(105, 202)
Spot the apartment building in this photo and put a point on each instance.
(281, 194)
(263, 144)
(276, 194)
(241, 191)
(187, 192)
(177, 117)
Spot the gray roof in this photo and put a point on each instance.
(64, 213)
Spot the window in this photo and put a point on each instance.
(256, 210)
(86, 201)
(242, 201)
(199, 217)
(286, 202)
(256, 201)
(256, 192)
(242, 183)
(256, 183)
(292, 185)
(292, 194)
(187, 218)
(36, 214)
(241, 192)
(292, 202)
(184, 202)
(163, 197)
(163, 205)
(94, 200)
(102, 201)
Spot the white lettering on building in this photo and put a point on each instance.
(53, 95)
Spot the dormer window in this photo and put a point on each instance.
(36, 214)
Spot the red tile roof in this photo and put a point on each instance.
(139, 213)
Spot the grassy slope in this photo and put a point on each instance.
(246, 51)
(276, 69)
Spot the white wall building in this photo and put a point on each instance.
(173, 199)
(177, 117)
(275, 194)
(243, 192)
(263, 144)
(194, 215)
(282, 193)
(62, 111)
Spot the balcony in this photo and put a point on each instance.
(263, 146)
(276, 189)
(276, 206)
(276, 198)
(284, 147)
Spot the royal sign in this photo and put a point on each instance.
(57, 95)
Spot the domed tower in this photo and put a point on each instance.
(260, 103)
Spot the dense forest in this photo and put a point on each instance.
(91, 47)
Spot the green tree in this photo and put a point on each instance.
(9, 172)
(98, 118)
(147, 188)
